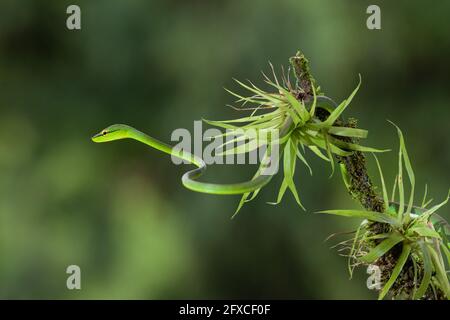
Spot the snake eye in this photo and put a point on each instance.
(104, 132)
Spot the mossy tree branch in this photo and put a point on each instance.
(359, 183)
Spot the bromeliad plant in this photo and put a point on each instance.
(402, 241)
(298, 124)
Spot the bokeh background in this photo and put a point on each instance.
(119, 210)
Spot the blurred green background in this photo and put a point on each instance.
(119, 210)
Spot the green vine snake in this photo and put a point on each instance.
(189, 179)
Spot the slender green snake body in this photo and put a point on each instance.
(189, 179)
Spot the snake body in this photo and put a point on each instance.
(190, 178)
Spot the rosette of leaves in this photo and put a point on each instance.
(408, 243)
(298, 126)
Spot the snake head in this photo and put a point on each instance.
(111, 133)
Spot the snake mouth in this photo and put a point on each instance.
(97, 135)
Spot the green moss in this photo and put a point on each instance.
(305, 81)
